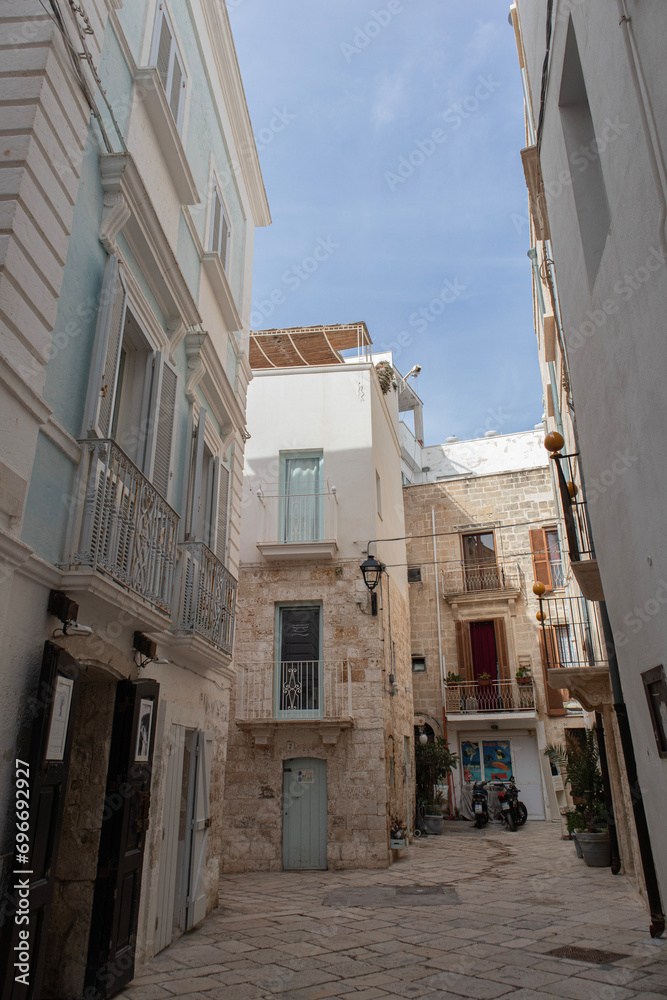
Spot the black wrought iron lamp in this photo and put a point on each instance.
(371, 571)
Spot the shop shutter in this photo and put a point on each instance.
(164, 428)
(549, 654)
(464, 651)
(538, 546)
(106, 351)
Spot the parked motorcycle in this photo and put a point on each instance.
(520, 811)
(480, 804)
(513, 811)
(507, 809)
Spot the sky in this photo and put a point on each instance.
(389, 137)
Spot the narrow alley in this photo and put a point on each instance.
(470, 914)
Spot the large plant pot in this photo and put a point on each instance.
(433, 824)
(596, 848)
(577, 846)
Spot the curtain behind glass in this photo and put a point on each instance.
(301, 516)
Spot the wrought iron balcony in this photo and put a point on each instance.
(575, 652)
(207, 596)
(298, 525)
(473, 698)
(271, 693)
(464, 578)
(577, 529)
(121, 526)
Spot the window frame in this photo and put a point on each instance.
(651, 677)
(162, 14)
(419, 659)
(279, 713)
(216, 196)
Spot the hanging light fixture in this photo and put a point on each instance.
(371, 571)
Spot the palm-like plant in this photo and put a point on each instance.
(579, 760)
(434, 761)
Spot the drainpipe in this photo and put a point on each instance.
(437, 608)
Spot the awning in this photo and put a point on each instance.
(306, 346)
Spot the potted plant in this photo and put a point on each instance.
(434, 762)
(575, 824)
(484, 679)
(453, 678)
(386, 376)
(398, 835)
(579, 761)
(523, 675)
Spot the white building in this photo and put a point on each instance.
(595, 94)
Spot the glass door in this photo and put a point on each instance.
(301, 512)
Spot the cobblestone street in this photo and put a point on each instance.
(469, 914)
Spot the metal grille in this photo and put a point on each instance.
(302, 689)
(460, 578)
(472, 698)
(572, 634)
(208, 596)
(591, 955)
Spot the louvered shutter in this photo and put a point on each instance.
(538, 546)
(501, 649)
(200, 821)
(215, 222)
(165, 44)
(224, 240)
(164, 428)
(223, 504)
(197, 465)
(464, 651)
(177, 89)
(106, 351)
(549, 654)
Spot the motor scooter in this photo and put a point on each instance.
(480, 804)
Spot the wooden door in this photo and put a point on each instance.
(40, 771)
(305, 814)
(169, 868)
(199, 821)
(115, 914)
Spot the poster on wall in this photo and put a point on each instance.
(62, 701)
(497, 760)
(472, 768)
(144, 733)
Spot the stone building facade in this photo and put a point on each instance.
(321, 754)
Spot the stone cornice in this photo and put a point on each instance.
(205, 368)
(589, 685)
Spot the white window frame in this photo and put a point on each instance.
(175, 54)
(213, 444)
(216, 196)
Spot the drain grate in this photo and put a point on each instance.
(426, 890)
(591, 955)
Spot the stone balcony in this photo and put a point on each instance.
(461, 582)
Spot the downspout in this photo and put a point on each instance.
(437, 608)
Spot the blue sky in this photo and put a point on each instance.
(389, 138)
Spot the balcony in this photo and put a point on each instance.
(575, 651)
(577, 529)
(460, 580)
(207, 598)
(122, 530)
(273, 694)
(298, 525)
(470, 698)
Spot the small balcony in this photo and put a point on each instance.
(470, 698)
(298, 525)
(207, 598)
(575, 651)
(577, 530)
(459, 579)
(273, 694)
(121, 530)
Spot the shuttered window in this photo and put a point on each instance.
(550, 658)
(464, 651)
(219, 227)
(223, 507)
(170, 66)
(547, 564)
(501, 649)
(106, 352)
(164, 429)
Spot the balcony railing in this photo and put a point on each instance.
(298, 518)
(473, 698)
(577, 530)
(464, 578)
(571, 633)
(122, 527)
(298, 690)
(207, 599)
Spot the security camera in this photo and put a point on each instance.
(416, 370)
(73, 628)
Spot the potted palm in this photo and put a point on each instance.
(579, 761)
(434, 762)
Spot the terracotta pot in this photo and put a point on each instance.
(524, 680)
(484, 681)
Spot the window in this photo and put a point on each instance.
(219, 230)
(301, 510)
(209, 491)
(479, 560)
(655, 686)
(547, 562)
(418, 664)
(378, 492)
(171, 70)
(414, 574)
(588, 187)
(298, 661)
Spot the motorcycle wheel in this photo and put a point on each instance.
(509, 819)
(521, 814)
(479, 822)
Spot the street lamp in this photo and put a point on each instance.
(371, 571)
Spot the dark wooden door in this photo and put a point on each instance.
(300, 659)
(41, 768)
(115, 915)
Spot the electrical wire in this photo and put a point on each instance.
(545, 74)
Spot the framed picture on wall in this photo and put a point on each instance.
(144, 730)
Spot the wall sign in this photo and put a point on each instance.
(62, 701)
(305, 777)
(144, 732)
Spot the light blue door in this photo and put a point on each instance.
(304, 814)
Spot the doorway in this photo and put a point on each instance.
(484, 652)
(305, 814)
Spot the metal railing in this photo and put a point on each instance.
(299, 517)
(122, 526)
(294, 689)
(575, 514)
(207, 598)
(571, 633)
(473, 698)
(462, 578)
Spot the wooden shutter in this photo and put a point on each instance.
(170, 66)
(549, 654)
(164, 428)
(164, 47)
(199, 812)
(464, 651)
(223, 505)
(198, 460)
(501, 649)
(106, 351)
(538, 545)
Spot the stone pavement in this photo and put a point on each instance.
(507, 900)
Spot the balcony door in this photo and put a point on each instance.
(299, 666)
(479, 562)
(301, 503)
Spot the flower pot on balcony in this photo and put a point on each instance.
(433, 823)
(524, 680)
(484, 680)
(596, 848)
